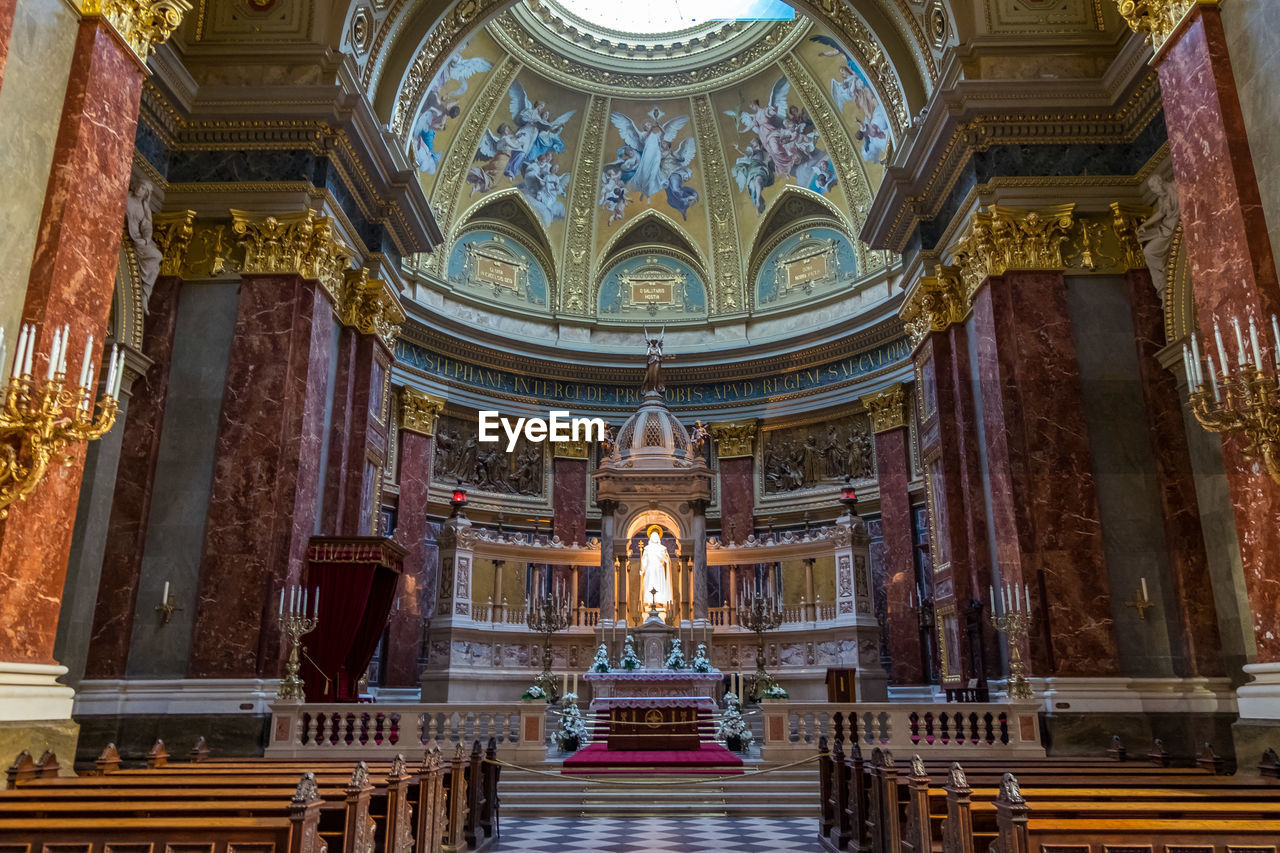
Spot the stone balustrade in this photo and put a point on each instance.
(940, 730)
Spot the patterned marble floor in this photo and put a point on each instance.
(641, 835)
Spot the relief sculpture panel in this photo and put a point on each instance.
(801, 457)
(461, 456)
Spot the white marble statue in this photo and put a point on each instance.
(138, 219)
(655, 571)
(1156, 231)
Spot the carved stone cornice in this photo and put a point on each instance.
(933, 303)
(1002, 239)
(419, 411)
(172, 233)
(371, 307)
(734, 439)
(300, 243)
(1157, 19)
(887, 408)
(571, 449)
(143, 25)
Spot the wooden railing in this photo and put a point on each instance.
(794, 728)
(372, 731)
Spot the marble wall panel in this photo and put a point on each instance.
(902, 627)
(418, 583)
(737, 498)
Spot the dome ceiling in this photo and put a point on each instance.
(682, 174)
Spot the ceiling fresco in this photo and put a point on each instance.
(688, 182)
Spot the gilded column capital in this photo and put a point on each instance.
(1157, 19)
(371, 306)
(1125, 220)
(887, 408)
(172, 233)
(1002, 238)
(734, 439)
(419, 411)
(301, 243)
(570, 449)
(141, 24)
(933, 303)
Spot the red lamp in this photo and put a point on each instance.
(849, 497)
(459, 500)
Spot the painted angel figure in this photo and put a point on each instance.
(654, 147)
(492, 157)
(544, 186)
(854, 87)
(538, 133)
(438, 107)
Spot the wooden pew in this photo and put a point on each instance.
(294, 830)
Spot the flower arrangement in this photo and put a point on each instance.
(629, 659)
(533, 692)
(773, 691)
(675, 660)
(733, 730)
(700, 661)
(601, 662)
(573, 732)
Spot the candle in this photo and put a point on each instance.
(1217, 337)
(1240, 351)
(281, 613)
(302, 610)
(164, 596)
(1213, 379)
(1145, 597)
(315, 609)
(991, 597)
(53, 354)
(1275, 338)
(111, 372)
(575, 684)
(1253, 343)
(293, 600)
(1195, 361)
(62, 351)
(84, 364)
(18, 354)
(1186, 363)
(1017, 598)
(1026, 594)
(115, 389)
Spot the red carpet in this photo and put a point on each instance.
(711, 758)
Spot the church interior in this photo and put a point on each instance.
(571, 411)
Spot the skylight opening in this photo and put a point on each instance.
(655, 17)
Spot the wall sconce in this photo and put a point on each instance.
(166, 608)
(1142, 603)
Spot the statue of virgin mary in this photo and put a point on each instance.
(655, 571)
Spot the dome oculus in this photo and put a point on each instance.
(663, 17)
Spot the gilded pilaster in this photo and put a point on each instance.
(1003, 238)
(1157, 19)
(371, 307)
(727, 295)
(578, 261)
(734, 439)
(141, 24)
(933, 303)
(302, 243)
(887, 408)
(419, 411)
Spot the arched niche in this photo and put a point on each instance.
(651, 285)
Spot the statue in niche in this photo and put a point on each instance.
(653, 366)
(1156, 231)
(655, 569)
(138, 221)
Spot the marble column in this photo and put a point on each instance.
(263, 497)
(735, 456)
(1233, 273)
(698, 570)
(1044, 516)
(418, 415)
(7, 8)
(569, 500)
(607, 569)
(1195, 638)
(889, 421)
(71, 282)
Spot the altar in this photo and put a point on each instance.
(701, 688)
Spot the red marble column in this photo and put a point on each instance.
(1195, 621)
(735, 456)
(569, 492)
(262, 501)
(888, 418)
(131, 501)
(72, 274)
(418, 414)
(358, 434)
(1044, 506)
(1233, 271)
(7, 8)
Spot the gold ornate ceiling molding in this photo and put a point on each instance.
(734, 439)
(579, 263)
(371, 307)
(887, 408)
(419, 411)
(1156, 20)
(143, 25)
(728, 295)
(1001, 239)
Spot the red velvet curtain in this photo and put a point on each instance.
(376, 612)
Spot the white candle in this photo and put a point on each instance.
(88, 384)
(281, 612)
(1213, 379)
(303, 609)
(1186, 363)
(1240, 356)
(315, 610)
(115, 389)
(1026, 591)
(991, 598)
(62, 350)
(53, 354)
(111, 372)
(20, 352)
(1253, 342)
(84, 364)
(1198, 377)
(1145, 597)
(293, 600)
(1222, 350)
(1017, 598)
(164, 596)
(1275, 339)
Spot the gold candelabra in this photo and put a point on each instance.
(760, 616)
(1014, 621)
(40, 419)
(1244, 398)
(296, 624)
(548, 616)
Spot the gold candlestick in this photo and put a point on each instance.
(1015, 624)
(296, 624)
